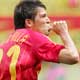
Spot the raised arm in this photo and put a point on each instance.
(69, 54)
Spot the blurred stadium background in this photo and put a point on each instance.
(68, 10)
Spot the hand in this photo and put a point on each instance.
(60, 27)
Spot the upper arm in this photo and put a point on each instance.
(49, 52)
(66, 56)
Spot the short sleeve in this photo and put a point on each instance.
(49, 52)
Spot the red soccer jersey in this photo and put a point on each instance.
(21, 56)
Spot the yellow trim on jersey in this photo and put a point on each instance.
(14, 51)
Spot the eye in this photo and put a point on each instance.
(43, 15)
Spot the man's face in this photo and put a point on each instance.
(42, 22)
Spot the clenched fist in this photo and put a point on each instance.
(60, 27)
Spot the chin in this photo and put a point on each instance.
(47, 34)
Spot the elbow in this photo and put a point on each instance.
(68, 57)
(74, 59)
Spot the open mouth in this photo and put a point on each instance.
(49, 30)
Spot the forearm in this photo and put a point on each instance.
(69, 44)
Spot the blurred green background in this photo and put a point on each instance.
(68, 10)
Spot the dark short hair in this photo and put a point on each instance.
(26, 9)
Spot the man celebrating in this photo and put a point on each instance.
(29, 44)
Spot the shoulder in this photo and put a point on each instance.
(39, 38)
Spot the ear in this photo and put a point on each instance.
(28, 23)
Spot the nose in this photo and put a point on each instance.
(48, 20)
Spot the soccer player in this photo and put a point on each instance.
(21, 55)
